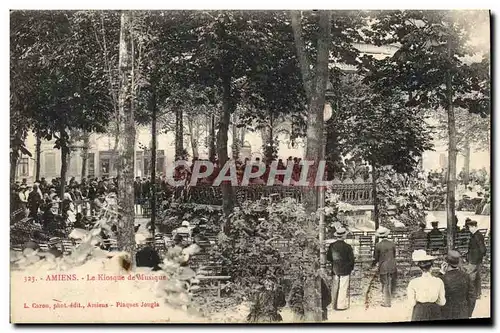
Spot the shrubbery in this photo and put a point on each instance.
(406, 192)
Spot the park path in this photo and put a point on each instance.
(397, 313)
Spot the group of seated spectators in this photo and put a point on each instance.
(474, 177)
(436, 239)
(348, 172)
(42, 201)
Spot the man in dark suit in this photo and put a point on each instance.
(341, 255)
(137, 189)
(460, 296)
(436, 238)
(385, 256)
(418, 238)
(475, 255)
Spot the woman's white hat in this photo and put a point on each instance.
(421, 255)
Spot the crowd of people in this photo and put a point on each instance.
(348, 172)
(449, 294)
(42, 201)
(474, 177)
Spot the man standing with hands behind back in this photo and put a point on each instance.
(475, 255)
(341, 255)
(385, 256)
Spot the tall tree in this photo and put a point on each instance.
(315, 78)
(66, 75)
(228, 50)
(85, 154)
(379, 129)
(126, 143)
(38, 154)
(473, 133)
(432, 67)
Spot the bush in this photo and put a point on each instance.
(268, 243)
(407, 192)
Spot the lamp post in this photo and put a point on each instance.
(327, 114)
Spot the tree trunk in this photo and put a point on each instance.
(211, 139)
(179, 133)
(153, 163)
(85, 154)
(316, 98)
(452, 162)
(13, 166)
(126, 142)
(38, 153)
(114, 154)
(68, 163)
(270, 149)
(466, 161)
(375, 197)
(315, 87)
(236, 144)
(227, 107)
(193, 136)
(64, 166)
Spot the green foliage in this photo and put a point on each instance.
(336, 211)
(433, 44)
(252, 248)
(379, 129)
(406, 192)
(473, 130)
(68, 89)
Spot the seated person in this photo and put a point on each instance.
(184, 230)
(148, 257)
(435, 237)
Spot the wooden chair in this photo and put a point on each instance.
(67, 245)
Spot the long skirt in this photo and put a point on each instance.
(340, 292)
(426, 312)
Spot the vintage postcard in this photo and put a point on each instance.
(228, 166)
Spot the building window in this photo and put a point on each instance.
(24, 167)
(160, 162)
(146, 162)
(139, 167)
(91, 164)
(73, 165)
(50, 164)
(104, 167)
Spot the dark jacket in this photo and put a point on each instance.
(385, 255)
(137, 189)
(459, 293)
(477, 249)
(34, 199)
(436, 239)
(418, 240)
(341, 255)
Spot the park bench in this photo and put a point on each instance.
(112, 243)
(15, 215)
(366, 247)
(209, 272)
(67, 245)
(159, 243)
